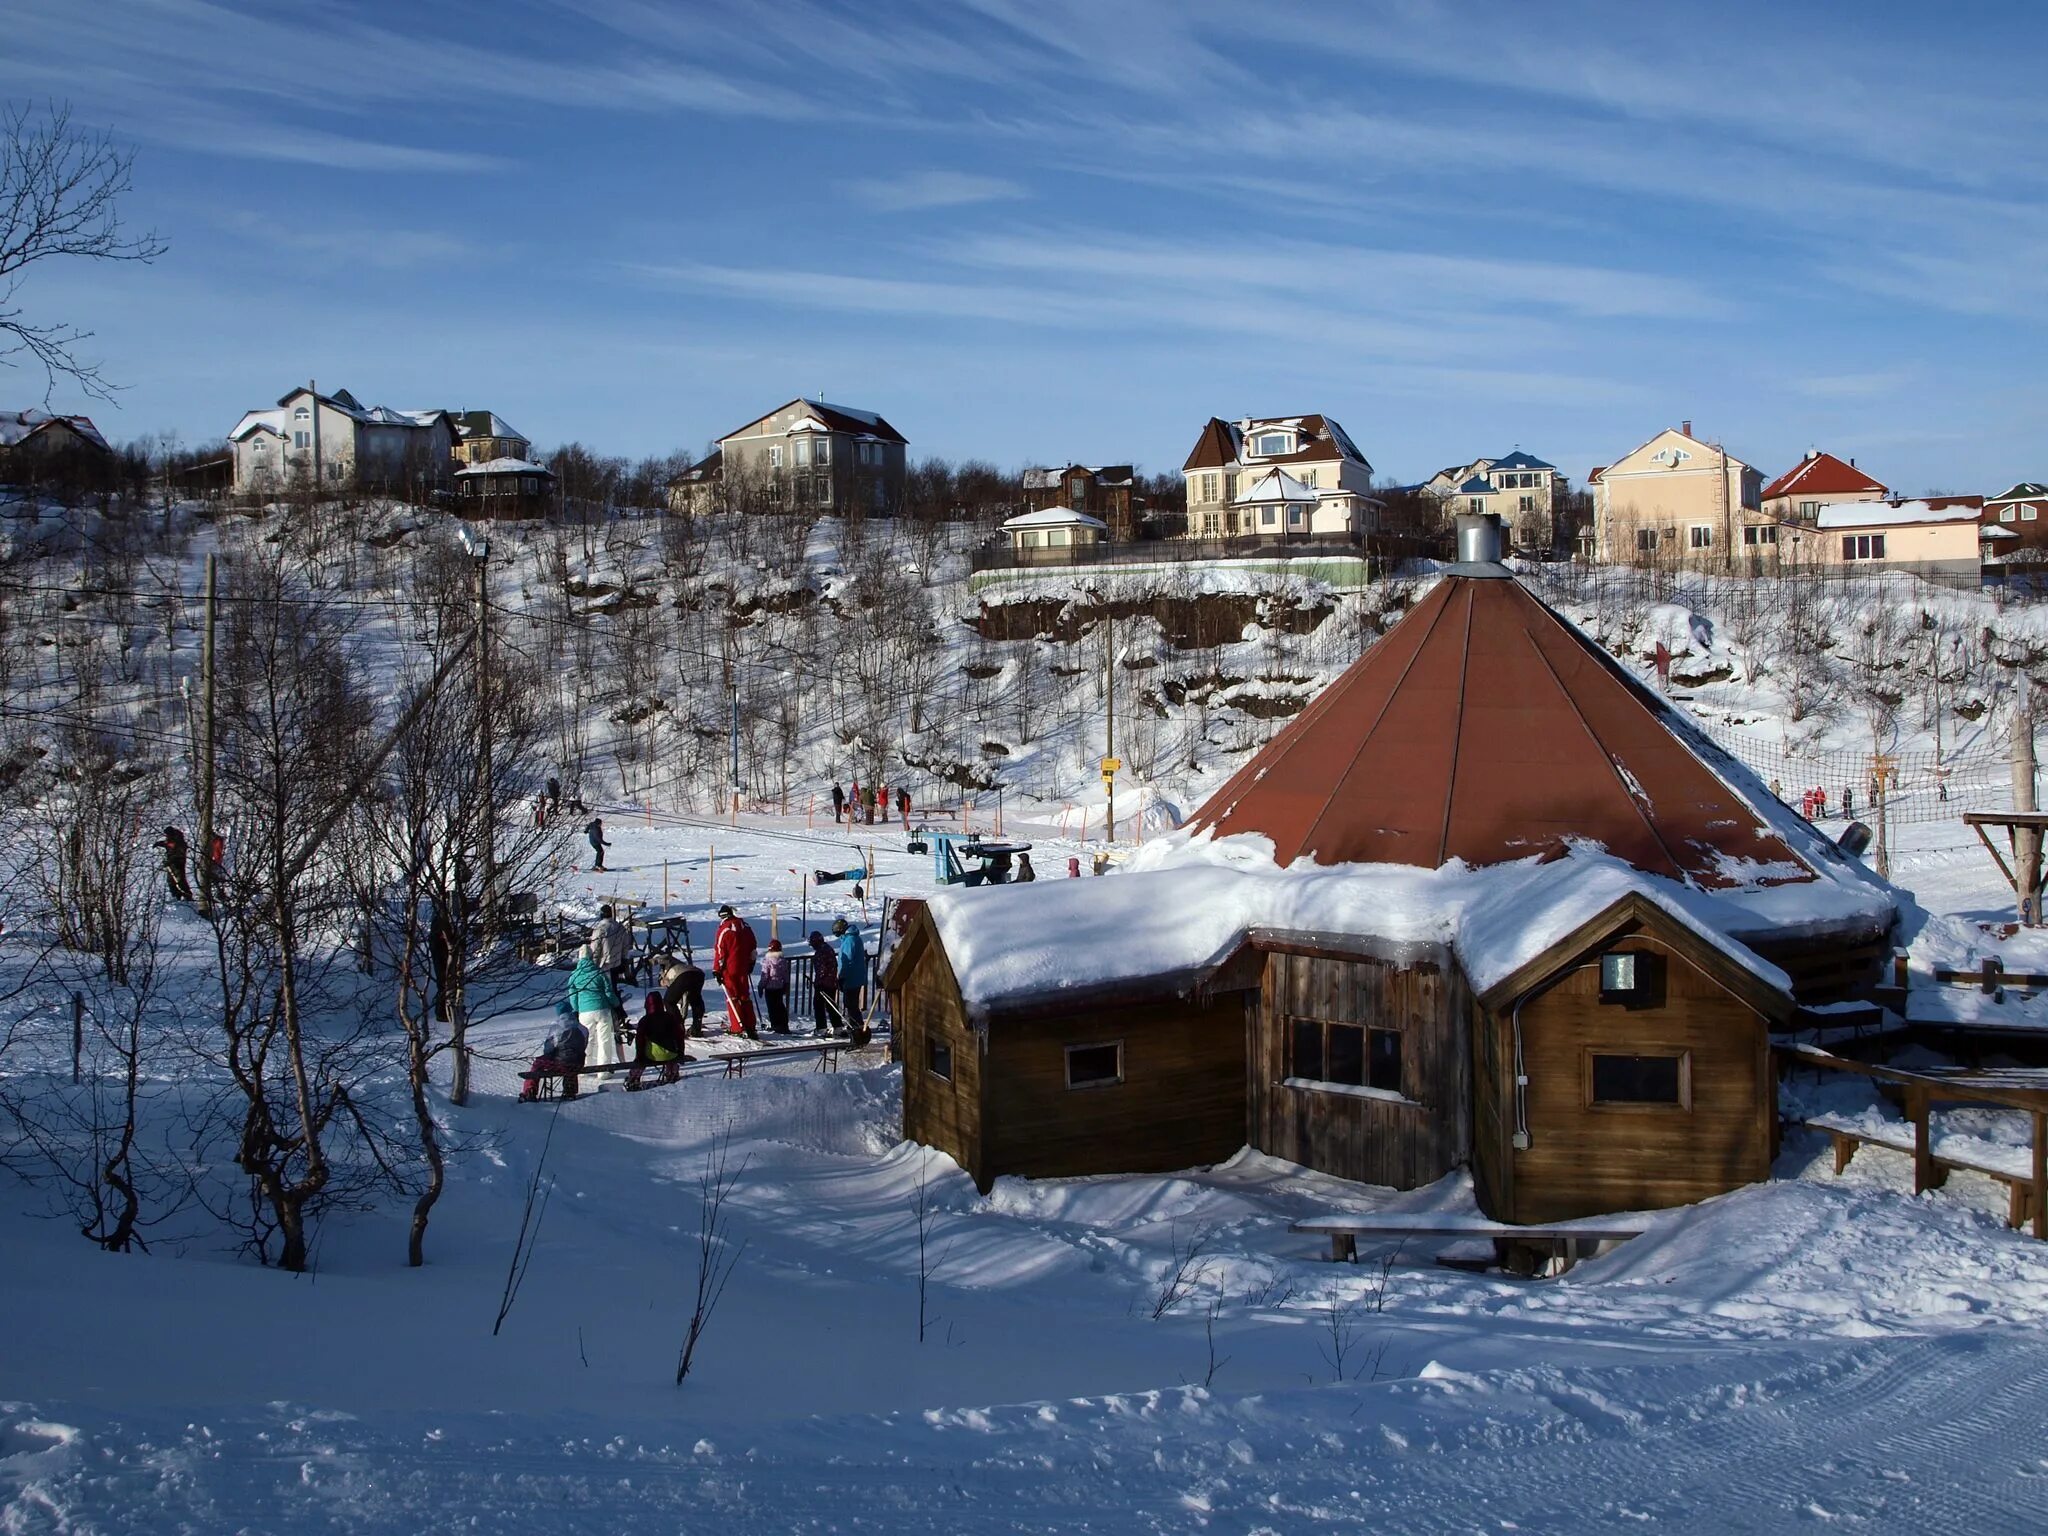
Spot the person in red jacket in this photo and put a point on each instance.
(732, 962)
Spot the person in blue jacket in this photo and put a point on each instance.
(598, 1009)
(853, 976)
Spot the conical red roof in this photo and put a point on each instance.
(1484, 727)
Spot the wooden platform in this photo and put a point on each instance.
(1563, 1242)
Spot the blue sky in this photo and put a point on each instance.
(1035, 230)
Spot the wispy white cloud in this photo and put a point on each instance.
(932, 189)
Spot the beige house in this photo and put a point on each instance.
(1673, 499)
(1520, 489)
(805, 455)
(1816, 481)
(1314, 451)
(1934, 535)
(337, 443)
(481, 436)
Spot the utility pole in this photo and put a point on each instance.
(2026, 841)
(206, 740)
(313, 388)
(735, 751)
(482, 553)
(1109, 762)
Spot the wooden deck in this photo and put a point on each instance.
(1562, 1241)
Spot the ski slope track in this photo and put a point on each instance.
(1769, 1439)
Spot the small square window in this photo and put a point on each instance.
(1095, 1066)
(938, 1059)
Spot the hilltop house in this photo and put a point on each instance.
(337, 443)
(1488, 902)
(1936, 534)
(481, 436)
(806, 455)
(1816, 481)
(1673, 499)
(1312, 451)
(37, 447)
(2016, 520)
(1103, 491)
(1520, 488)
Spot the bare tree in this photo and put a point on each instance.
(60, 190)
(717, 1253)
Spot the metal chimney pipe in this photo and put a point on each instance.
(1479, 538)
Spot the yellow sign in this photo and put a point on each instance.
(1110, 765)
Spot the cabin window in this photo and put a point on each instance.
(1700, 536)
(1862, 546)
(1630, 978)
(938, 1060)
(1348, 1055)
(1765, 534)
(1651, 1080)
(1095, 1066)
(1646, 540)
(1383, 1059)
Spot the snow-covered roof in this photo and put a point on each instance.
(1993, 531)
(1183, 907)
(1274, 488)
(504, 467)
(1055, 517)
(2026, 490)
(253, 422)
(1045, 478)
(484, 424)
(1893, 514)
(16, 425)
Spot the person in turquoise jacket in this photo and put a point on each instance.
(853, 976)
(598, 1009)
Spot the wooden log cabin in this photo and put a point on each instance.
(1486, 903)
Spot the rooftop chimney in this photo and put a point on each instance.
(1686, 426)
(1480, 541)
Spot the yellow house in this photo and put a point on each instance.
(1673, 499)
(1936, 534)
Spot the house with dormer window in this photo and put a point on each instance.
(1327, 489)
(802, 456)
(1519, 488)
(1102, 491)
(336, 443)
(1674, 499)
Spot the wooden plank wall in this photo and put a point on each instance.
(1493, 1113)
(1371, 1140)
(937, 1113)
(1181, 1102)
(1829, 972)
(1584, 1160)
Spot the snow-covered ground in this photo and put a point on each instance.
(1813, 1350)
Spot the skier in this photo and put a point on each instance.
(595, 832)
(838, 802)
(598, 1009)
(1025, 872)
(660, 1043)
(853, 977)
(732, 962)
(216, 860)
(173, 845)
(682, 983)
(561, 1052)
(903, 805)
(775, 986)
(554, 796)
(540, 813)
(440, 956)
(1849, 801)
(824, 983)
(1820, 804)
(612, 943)
(882, 802)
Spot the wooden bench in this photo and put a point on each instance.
(1929, 1165)
(1560, 1242)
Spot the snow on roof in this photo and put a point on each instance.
(16, 425)
(253, 422)
(1993, 531)
(1892, 514)
(1183, 907)
(1274, 488)
(2026, 490)
(484, 424)
(1054, 517)
(504, 467)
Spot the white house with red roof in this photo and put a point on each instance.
(1313, 452)
(1816, 481)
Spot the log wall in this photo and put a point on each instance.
(1372, 1140)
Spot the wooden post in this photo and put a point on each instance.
(78, 1037)
(1925, 1175)
(2026, 841)
(711, 894)
(664, 885)
(805, 926)
(206, 869)
(2041, 1173)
